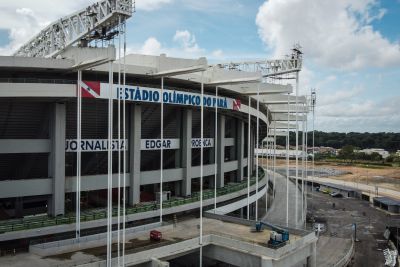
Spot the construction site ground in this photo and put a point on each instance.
(381, 176)
(370, 225)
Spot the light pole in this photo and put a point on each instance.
(287, 164)
(241, 82)
(313, 103)
(297, 148)
(79, 68)
(201, 67)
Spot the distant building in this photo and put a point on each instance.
(380, 151)
(263, 152)
(322, 150)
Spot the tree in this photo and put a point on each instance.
(347, 152)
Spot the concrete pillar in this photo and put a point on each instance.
(177, 188)
(240, 149)
(254, 144)
(19, 207)
(135, 133)
(187, 152)
(312, 259)
(178, 154)
(266, 262)
(221, 151)
(251, 150)
(56, 166)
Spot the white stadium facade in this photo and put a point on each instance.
(91, 137)
(39, 133)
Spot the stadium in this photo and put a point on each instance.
(92, 138)
(39, 138)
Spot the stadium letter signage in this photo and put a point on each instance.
(94, 145)
(146, 94)
(155, 144)
(137, 93)
(207, 142)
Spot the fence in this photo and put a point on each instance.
(90, 215)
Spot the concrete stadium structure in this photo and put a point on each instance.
(38, 141)
(91, 138)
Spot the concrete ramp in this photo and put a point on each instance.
(238, 204)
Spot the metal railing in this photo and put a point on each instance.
(91, 215)
(37, 80)
(347, 258)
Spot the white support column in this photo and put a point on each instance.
(287, 168)
(162, 149)
(78, 157)
(248, 160)
(57, 158)
(201, 169)
(304, 195)
(297, 148)
(267, 163)
(125, 152)
(273, 178)
(187, 152)
(134, 153)
(109, 166)
(215, 148)
(256, 144)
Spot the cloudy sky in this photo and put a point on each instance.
(351, 47)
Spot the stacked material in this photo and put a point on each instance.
(390, 257)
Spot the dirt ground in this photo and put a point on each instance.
(382, 176)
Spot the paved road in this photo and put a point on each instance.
(362, 187)
(277, 212)
(331, 250)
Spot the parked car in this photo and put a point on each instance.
(336, 194)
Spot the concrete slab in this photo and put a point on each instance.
(184, 230)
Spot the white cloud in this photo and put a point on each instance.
(23, 19)
(334, 34)
(360, 116)
(187, 41)
(339, 96)
(150, 5)
(184, 45)
(217, 53)
(362, 108)
(212, 6)
(151, 47)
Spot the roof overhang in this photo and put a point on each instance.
(284, 117)
(282, 99)
(285, 108)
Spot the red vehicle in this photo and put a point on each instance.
(155, 235)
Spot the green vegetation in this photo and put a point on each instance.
(387, 141)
